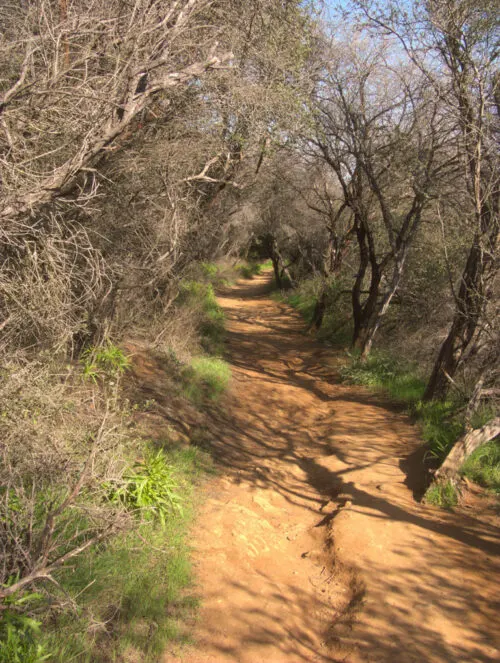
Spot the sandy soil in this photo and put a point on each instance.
(310, 545)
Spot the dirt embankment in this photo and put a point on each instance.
(310, 545)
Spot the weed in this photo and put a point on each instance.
(483, 466)
(150, 488)
(206, 377)
(105, 361)
(133, 589)
(19, 633)
(443, 494)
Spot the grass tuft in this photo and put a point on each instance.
(483, 466)
(206, 377)
(443, 494)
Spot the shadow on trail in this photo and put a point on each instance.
(324, 434)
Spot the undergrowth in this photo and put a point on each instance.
(208, 315)
(336, 328)
(483, 466)
(443, 494)
(133, 592)
(127, 595)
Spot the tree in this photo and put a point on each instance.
(454, 44)
(379, 132)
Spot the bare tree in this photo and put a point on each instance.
(461, 35)
(379, 133)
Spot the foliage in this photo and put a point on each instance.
(149, 488)
(105, 361)
(483, 466)
(336, 327)
(250, 269)
(20, 633)
(200, 298)
(443, 494)
(206, 377)
(134, 592)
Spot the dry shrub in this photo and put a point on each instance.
(178, 333)
(51, 281)
(61, 442)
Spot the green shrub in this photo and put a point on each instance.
(249, 270)
(443, 494)
(206, 377)
(483, 466)
(150, 488)
(210, 271)
(20, 634)
(201, 297)
(105, 361)
(133, 590)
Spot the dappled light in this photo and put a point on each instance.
(311, 545)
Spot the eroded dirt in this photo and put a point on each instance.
(310, 545)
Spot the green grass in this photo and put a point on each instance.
(201, 296)
(205, 377)
(443, 494)
(249, 270)
(483, 466)
(19, 633)
(133, 592)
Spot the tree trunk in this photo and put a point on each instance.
(319, 309)
(470, 305)
(277, 271)
(465, 446)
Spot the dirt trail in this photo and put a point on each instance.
(310, 545)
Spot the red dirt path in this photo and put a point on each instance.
(310, 545)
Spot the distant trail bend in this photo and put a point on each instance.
(310, 545)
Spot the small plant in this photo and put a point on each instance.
(106, 361)
(19, 632)
(483, 466)
(138, 583)
(443, 494)
(150, 488)
(206, 377)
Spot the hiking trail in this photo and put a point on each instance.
(310, 544)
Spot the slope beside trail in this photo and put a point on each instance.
(310, 545)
